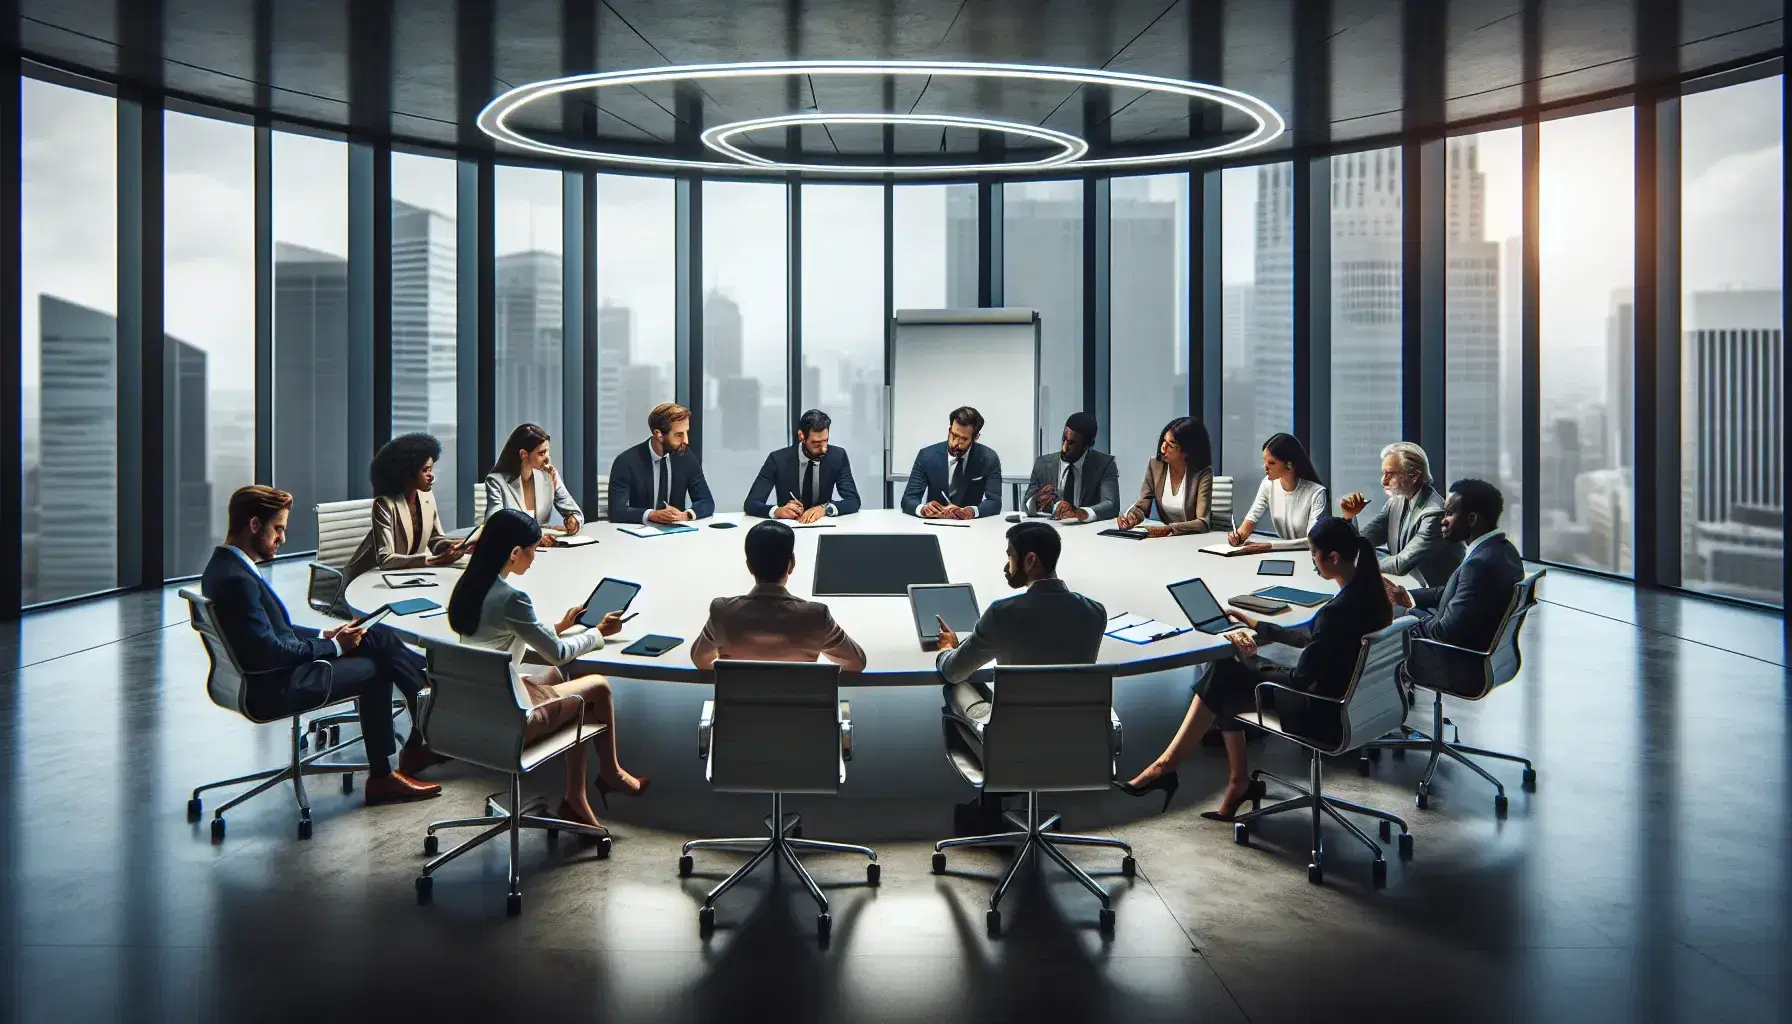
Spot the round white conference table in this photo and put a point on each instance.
(681, 573)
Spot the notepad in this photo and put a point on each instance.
(1225, 550)
(1138, 629)
(577, 540)
(656, 530)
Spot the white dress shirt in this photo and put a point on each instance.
(250, 562)
(803, 462)
(1473, 544)
(660, 465)
(1064, 469)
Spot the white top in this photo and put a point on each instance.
(1291, 513)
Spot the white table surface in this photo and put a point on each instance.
(681, 573)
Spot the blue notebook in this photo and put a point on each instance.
(656, 530)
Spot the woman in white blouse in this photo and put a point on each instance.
(525, 478)
(488, 612)
(1291, 494)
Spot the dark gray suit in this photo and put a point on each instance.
(1465, 612)
(1097, 483)
(1413, 532)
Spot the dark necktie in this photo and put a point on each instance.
(663, 491)
(1069, 485)
(960, 486)
(809, 483)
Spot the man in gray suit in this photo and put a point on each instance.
(1076, 483)
(1465, 612)
(1410, 525)
(1046, 624)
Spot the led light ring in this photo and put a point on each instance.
(720, 138)
(494, 119)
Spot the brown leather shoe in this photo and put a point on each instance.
(398, 787)
(413, 760)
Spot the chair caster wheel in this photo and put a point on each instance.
(1241, 834)
(1362, 766)
(1373, 753)
(1423, 799)
(1129, 867)
(513, 904)
(1106, 921)
(431, 844)
(992, 921)
(873, 873)
(603, 848)
(195, 809)
(304, 828)
(1380, 874)
(684, 866)
(1499, 804)
(1387, 831)
(1530, 780)
(348, 782)
(939, 863)
(1316, 873)
(706, 920)
(425, 889)
(824, 927)
(1406, 846)
(1399, 755)
(217, 830)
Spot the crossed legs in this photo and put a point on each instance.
(600, 709)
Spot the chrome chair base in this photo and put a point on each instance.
(1034, 834)
(1312, 798)
(498, 820)
(300, 766)
(1440, 748)
(785, 840)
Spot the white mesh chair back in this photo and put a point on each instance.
(1219, 506)
(1504, 660)
(1373, 705)
(225, 683)
(479, 504)
(1049, 730)
(478, 706)
(341, 526)
(777, 727)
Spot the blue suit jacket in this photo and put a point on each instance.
(255, 624)
(631, 485)
(782, 475)
(927, 480)
(1465, 612)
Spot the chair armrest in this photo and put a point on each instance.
(579, 731)
(1448, 647)
(706, 724)
(1263, 688)
(846, 730)
(1114, 733)
(331, 580)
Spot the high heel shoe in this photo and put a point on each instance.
(1255, 792)
(604, 789)
(1167, 782)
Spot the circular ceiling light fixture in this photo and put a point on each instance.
(494, 119)
(721, 139)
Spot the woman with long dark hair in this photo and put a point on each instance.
(524, 477)
(1329, 647)
(488, 612)
(407, 528)
(1178, 481)
(1291, 494)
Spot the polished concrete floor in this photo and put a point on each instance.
(1646, 879)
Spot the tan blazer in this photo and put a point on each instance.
(390, 545)
(1197, 497)
(769, 623)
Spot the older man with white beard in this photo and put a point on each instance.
(1410, 525)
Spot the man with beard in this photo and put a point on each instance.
(805, 477)
(659, 480)
(1077, 483)
(1410, 525)
(1466, 611)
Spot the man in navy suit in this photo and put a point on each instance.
(1466, 611)
(957, 478)
(659, 480)
(805, 477)
(277, 656)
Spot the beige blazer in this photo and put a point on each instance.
(769, 623)
(1197, 498)
(390, 544)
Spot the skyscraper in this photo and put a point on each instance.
(424, 340)
(1472, 368)
(77, 466)
(1148, 346)
(187, 537)
(723, 337)
(733, 403)
(1367, 260)
(1620, 379)
(1272, 307)
(616, 430)
(961, 247)
(531, 364)
(311, 402)
(1042, 269)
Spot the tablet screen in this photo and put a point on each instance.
(1294, 595)
(1276, 567)
(954, 602)
(609, 596)
(1204, 613)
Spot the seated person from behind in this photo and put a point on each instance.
(1410, 525)
(276, 655)
(1290, 495)
(407, 529)
(486, 611)
(1076, 483)
(1046, 624)
(524, 477)
(653, 481)
(1468, 609)
(805, 477)
(769, 623)
(957, 478)
(1179, 481)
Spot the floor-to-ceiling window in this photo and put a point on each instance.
(637, 311)
(1483, 295)
(1588, 367)
(424, 314)
(1148, 321)
(208, 294)
(1367, 257)
(933, 247)
(311, 371)
(68, 256)
(745, 412)
(1257, 268)
(530, 235)
(1732, 356)
(843, 325)
(1042, 269)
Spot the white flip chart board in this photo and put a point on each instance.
(984, 358)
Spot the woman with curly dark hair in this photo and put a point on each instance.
(407, 529)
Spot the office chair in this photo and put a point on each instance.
(1467, 675)
(478, 715)
(479, 503)
(1219, 505)
(341, 526)
(227, 685)
(775, 727)
(1051, 729)
(1371, 707)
